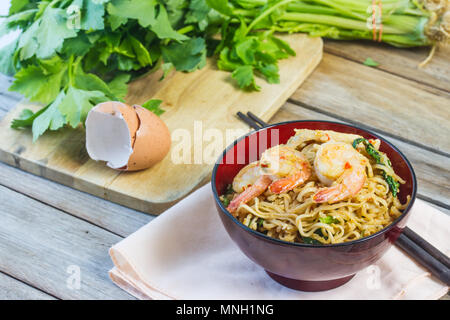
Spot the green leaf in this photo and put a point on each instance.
(370, 149)
(246, 50)
(371, 63)
(270, 72)
(52, 31)
(225, 201)
(77, 46)
(51, 118)
(17, 5)
(26, 118)
(223, 6)
(28, 44)
(309, 240)
(141, 10)
(92, 15)
(162, 26)
(39, 83)
(7, 53)
(166, 68)
(13, 22)
(394, 186)
(198, 13)
(115, 21)
(154, 106)
(186, 56)
(77, 103)
(245, 78)
(260, 222)
(119, 86)
(328, 220)
(141, 53)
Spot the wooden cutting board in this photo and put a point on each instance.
(201, 106)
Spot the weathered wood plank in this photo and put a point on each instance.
(105, 214)
(432, 170)
(38, 245)
(396, 106)
(398, 61)
(12, 289)
(8, 99)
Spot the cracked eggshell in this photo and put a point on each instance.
(152, 140)
(127, 137)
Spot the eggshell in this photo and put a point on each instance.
(109, 134)
(128, 113)
(128, 138)
(152, 140)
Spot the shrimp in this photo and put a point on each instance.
(281, 168)
(339, 166)
(303, 136)
(288, 167)
(250, 182)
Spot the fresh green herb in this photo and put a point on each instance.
(328, 220)
(309, 240)
(225, 201)
(225, 197)
(405, 23)
(394, 185)
(260, 222)
(370, 63)
(370, 149)
(73, 54)
(153, 106)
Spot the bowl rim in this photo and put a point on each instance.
(305, 245)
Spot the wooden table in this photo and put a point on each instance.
(48, 231)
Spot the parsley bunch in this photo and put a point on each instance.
(74, 54)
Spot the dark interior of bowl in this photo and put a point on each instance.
(250, 147)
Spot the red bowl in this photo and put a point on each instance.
(297, 265)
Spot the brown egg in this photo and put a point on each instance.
(127, 138)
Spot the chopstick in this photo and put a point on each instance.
(422, 256)
(409, 241)
(252, 120)
(428, 247)
(252, 123)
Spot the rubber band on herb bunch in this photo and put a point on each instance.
(377, 23)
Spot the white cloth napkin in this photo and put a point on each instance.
(185, 253)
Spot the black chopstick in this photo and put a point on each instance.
(252, 123)
(419, 254)
(428, 247)
(258, 120)
(409, 241)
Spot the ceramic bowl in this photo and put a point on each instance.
(296, 265)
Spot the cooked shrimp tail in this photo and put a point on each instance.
(339, 166)
(352, 182)
(249, 193)
(290, 182)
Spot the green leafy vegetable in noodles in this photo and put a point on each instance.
(394, 185)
